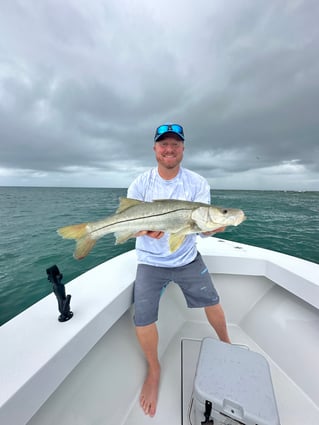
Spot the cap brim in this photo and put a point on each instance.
(167, 132)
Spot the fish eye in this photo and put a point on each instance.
(225, 211)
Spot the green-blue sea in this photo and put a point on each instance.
(283, 221)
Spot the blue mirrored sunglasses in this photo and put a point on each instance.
(175, 128)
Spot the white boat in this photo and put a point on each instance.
(90, 369)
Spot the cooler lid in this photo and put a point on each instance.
(237, 381)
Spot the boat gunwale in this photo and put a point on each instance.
(29, 367)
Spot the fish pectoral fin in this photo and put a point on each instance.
(176, 239)
(126, 203)
(121, 237)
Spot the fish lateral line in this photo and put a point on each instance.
(138, 218)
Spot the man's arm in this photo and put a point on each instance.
(151, 233)
(210, 233)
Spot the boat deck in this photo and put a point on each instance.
(104, 388)
(294, 406)
(90, 370)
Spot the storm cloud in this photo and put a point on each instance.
(83, 85)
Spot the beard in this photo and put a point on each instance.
(169, 162)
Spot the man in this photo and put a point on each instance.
(157, 265)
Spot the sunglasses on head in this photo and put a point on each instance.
(175, 128)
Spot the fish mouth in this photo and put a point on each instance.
(240, 219)
(235, 220)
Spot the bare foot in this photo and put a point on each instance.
(149, 393)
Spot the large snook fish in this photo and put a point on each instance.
(178, 218)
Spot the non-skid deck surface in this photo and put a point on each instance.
(295, 408)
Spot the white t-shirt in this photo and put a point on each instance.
(187, 186)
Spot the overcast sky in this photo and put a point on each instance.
(84, 84)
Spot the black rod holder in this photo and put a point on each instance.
(55, 277)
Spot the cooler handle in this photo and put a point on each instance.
(233, 409)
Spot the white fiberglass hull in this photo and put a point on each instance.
(90, 370)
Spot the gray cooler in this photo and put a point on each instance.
(233, 386)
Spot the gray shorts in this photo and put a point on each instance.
(193, 279)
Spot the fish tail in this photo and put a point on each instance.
(83, 247)
(84, 241)
(76, 231)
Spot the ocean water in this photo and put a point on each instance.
(283, 221)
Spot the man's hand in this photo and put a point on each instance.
(151, 233)
(210, 233)
(158, 235)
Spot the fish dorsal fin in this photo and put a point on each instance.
(126, 203)
(163, 199)
(170, 200)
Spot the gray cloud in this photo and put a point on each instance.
(83, 86)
